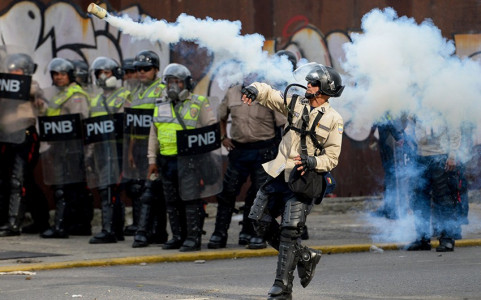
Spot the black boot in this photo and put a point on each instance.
(16, 212)
(222, 223)
(106, 235)
(134, 192)
(58, 230)
(306, 267)
(176, 219)
(286, 263)
(195, 219)
(142, 235)
(445, 245)
(119, 219)
(419, 245)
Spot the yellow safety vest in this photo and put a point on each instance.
(167, 126)
(146, 100)
(115, 101)
(55, 105)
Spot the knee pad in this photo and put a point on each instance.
(290, 233)
(295, 214)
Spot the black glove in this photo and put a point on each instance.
(308, 162)
(250, 92)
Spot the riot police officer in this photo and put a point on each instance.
(312, 143)
(18, 158)
(63, 161)
(130, 79)
(249, 147)
(183, 111)
(104, 156)
(148, 204)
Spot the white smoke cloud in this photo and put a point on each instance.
(400, 66)
(221, 37)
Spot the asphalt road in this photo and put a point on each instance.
(387, 275)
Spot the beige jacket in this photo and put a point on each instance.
(328, 131)
(249, 123)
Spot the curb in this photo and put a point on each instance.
(211, 255)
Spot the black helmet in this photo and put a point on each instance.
(21, 61)
(147, 58)
(81, 71)
(128, 64)
(181, 72)
(61, 65)
(327, 78)
(290, 56)
(106, 64)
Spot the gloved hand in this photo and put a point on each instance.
(308, 162)
(250, 92)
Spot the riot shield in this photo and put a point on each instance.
(103, 150)
(199, 162)
(15, 107)
(63, 160)
(137, 123)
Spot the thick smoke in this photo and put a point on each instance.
(396, 65)
(221, 37)
(406, 69)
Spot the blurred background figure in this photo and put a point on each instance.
(19, 153)
(253, 142)
(62, 162)
(104, 156)
(130, 78)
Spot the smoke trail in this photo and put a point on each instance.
(221, 37)
(399, 67)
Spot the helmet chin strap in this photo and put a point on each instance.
(312, 96)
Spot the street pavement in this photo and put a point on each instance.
(338, 225)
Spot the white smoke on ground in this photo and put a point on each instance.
(220, 37)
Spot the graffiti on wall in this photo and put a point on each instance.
(62, 29)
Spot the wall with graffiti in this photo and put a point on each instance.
(63, 29)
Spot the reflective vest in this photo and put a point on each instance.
(55, 105)
(115, 101)
(168, 125)
(146, 100)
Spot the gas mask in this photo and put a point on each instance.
(175, 94)
(108, 83)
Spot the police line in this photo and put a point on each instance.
(113, 127)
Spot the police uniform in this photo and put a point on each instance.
(17, 171)
(254, 133)
(148, 205)
(434, 197)
(277, 198)
(71, 99)
(186, 217)
(109, 102)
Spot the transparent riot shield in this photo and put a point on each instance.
(199, 162)
(63, 159)
(137, 123)
(16, 111)
(103, 150)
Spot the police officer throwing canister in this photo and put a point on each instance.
(311, 143)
